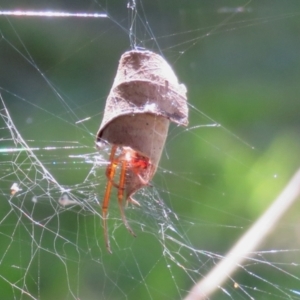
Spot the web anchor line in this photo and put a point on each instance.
(32, 13)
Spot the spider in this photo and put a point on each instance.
(135, 172)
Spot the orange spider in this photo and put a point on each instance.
(134, 168)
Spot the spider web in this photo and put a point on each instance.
(211, 185)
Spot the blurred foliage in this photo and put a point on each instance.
(242, 71)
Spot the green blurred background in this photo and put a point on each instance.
(241, 69)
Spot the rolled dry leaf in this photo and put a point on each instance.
(144, 98)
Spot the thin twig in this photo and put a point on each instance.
(249, 241)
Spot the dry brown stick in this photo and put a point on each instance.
(247, 243)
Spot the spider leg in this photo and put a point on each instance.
(110, 173)
(121, 195)
(143, 181)
(131, 200)
(110, 178)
